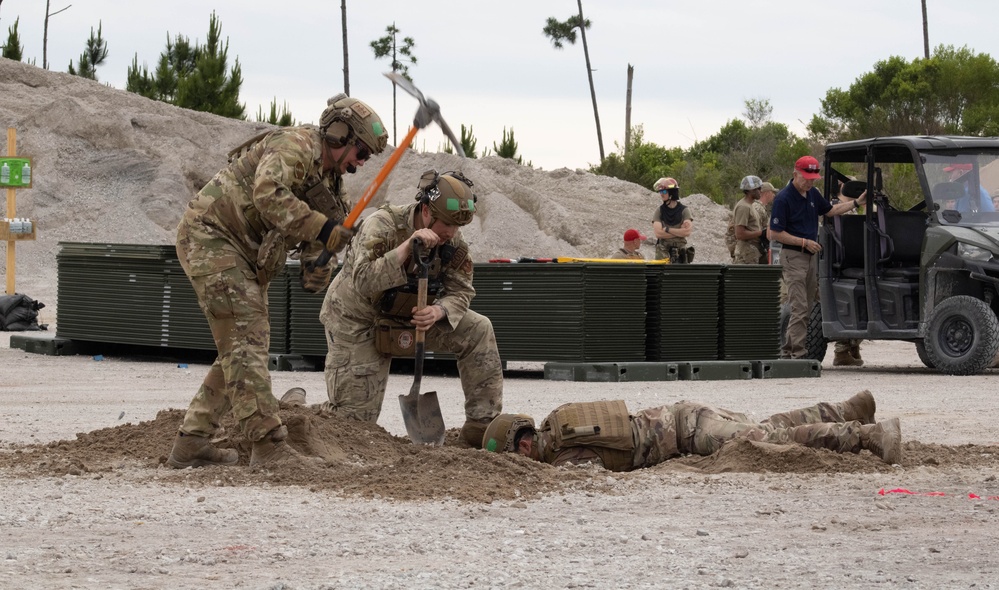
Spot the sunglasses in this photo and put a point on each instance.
(810, 168)
(363, 153)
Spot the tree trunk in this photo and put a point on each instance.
(627, 111)
(45, 35)
(45, 38)
(926, 34)
(395, 132)
(589, 74)
(346, 62)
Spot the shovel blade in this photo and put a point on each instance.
(422, 416)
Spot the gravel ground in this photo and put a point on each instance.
(139, 526)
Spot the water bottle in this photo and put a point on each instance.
(26, 174)
(5, 174)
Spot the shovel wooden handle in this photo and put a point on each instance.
(421, 302)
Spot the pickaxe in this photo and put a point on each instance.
(428, 112)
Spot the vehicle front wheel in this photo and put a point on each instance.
(962, 337)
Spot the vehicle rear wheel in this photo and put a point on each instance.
(815, 343)
(962, 337)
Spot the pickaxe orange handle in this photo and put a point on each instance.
(369, 193)
(376, 184)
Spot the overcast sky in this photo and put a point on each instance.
(490, 66)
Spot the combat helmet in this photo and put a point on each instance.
(348, 120)
(750, 183)
(449, 196)
(501, 434)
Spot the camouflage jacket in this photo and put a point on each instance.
(653, 434)
(371, 267)
(272, 186)
(622, 254)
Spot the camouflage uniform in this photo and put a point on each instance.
(663, 247)
(747, 215)
(233, 237)
(356, 373)
(622, 254)
(669, 431)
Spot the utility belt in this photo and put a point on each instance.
(797, 249)
(394, 332)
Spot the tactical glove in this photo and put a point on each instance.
(335, 236)
(315, 278)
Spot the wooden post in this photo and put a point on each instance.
(11, 212)
(627, 111)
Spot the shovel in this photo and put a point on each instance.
(421, 413)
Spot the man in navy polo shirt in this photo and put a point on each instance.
(794, 223)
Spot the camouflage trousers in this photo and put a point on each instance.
(702, 430)
(684, 254)
(655, 436)
(235, 305)
(747, 252)
(357, 374)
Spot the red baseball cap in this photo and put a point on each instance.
(808, 167)
(953, 167)
(632, 234)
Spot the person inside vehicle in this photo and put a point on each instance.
(955, 173)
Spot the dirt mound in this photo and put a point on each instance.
(745, 456)
(363, 460)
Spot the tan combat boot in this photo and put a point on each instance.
(860, 407)
(197, 451)
(294, 397)
(473, 431)
(845, 359)
(272, 450)
(884, 439)
(855, 352)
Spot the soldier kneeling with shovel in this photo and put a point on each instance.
(372, 310)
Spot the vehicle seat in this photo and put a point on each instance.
(902, 242)
(850, 229)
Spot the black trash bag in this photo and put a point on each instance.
(19, 313)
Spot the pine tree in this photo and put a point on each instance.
(387, 46)
(284, 119)
(13, 49)
(193, 76)
(93, 56)
(209, 88)
(508, 147)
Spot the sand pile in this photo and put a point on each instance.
(112, 166)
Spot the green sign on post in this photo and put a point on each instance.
(15, 172)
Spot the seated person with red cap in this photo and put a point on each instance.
(632, 243)
(964, 205)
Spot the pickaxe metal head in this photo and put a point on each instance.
(429, 111)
